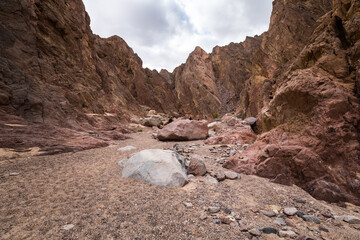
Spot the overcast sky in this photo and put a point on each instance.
(164, 32)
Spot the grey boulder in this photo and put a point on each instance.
(156, 166)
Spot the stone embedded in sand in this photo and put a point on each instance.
(290, 211)
(127, 148)
(311, 218)
(352, 219)
(156, 166)
(196, 166)
(287, 234)
(231, 175)
(184, 130)
(67, 227)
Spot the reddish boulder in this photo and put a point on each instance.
(184, 130)
(196, 166)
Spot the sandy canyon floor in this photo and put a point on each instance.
(83, 196)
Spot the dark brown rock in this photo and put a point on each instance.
(196, 166)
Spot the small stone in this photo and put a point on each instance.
(197, 166)
(327, 214)
(300, 214)
(269, 230)
(269, 213)
(127, 148)
(321, 228)
(227, 211)
(203, 216)
(299, 200)
(255, 232)
(290, 223)
(191, 176)
(214, 209)
(188, 205)
(279, 221)
(289, 234)
(352, 219)
(290, 211)
(210, 180)
(217, 221)
(311, 218)
(234, 224)
(243, 227)
(274, 207)
(225, 220)
(220, 175)
(14, 174)
(67, 227)
(238, 217)
(201, 202)
(232, 175)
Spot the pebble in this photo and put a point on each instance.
(321, 228)
(290, 223)
(299, 200)
(352, 219)
(217, 221)
(269, 213)
(67, 227)
(227, 211)
(188, 205)
(290, 211)
(232, 175)
(210, 180)
(14, 174)
(220, 175)
(127, 148)
(327, 214)
(243, 227)
(311, 218)
(225, 220)
(191, 176)
(300, 214)
(275, 208)
(279, 221)
(286, 234)
(214, 209)
(255, 232)
(269, 230)
(203, 216)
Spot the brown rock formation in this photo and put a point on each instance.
(301, 78)
(313, 119)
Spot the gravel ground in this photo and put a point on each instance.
(83, 196)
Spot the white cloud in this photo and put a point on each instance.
(164, 32)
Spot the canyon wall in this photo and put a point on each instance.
(301, 79)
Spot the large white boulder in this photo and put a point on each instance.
(156, 166)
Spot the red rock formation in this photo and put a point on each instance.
(312, 123)
(301, 78)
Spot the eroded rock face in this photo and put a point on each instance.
(156, 166)
(312, 122)
(184, 130)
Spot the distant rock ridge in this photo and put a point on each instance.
(300, 78)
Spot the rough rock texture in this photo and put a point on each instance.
(231, 130)
(300, 79)
(312, 123)
(184, 130)
(156, 166)
(54, 71)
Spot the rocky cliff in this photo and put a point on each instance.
(301, 78)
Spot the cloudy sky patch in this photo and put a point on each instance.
(164, 32)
